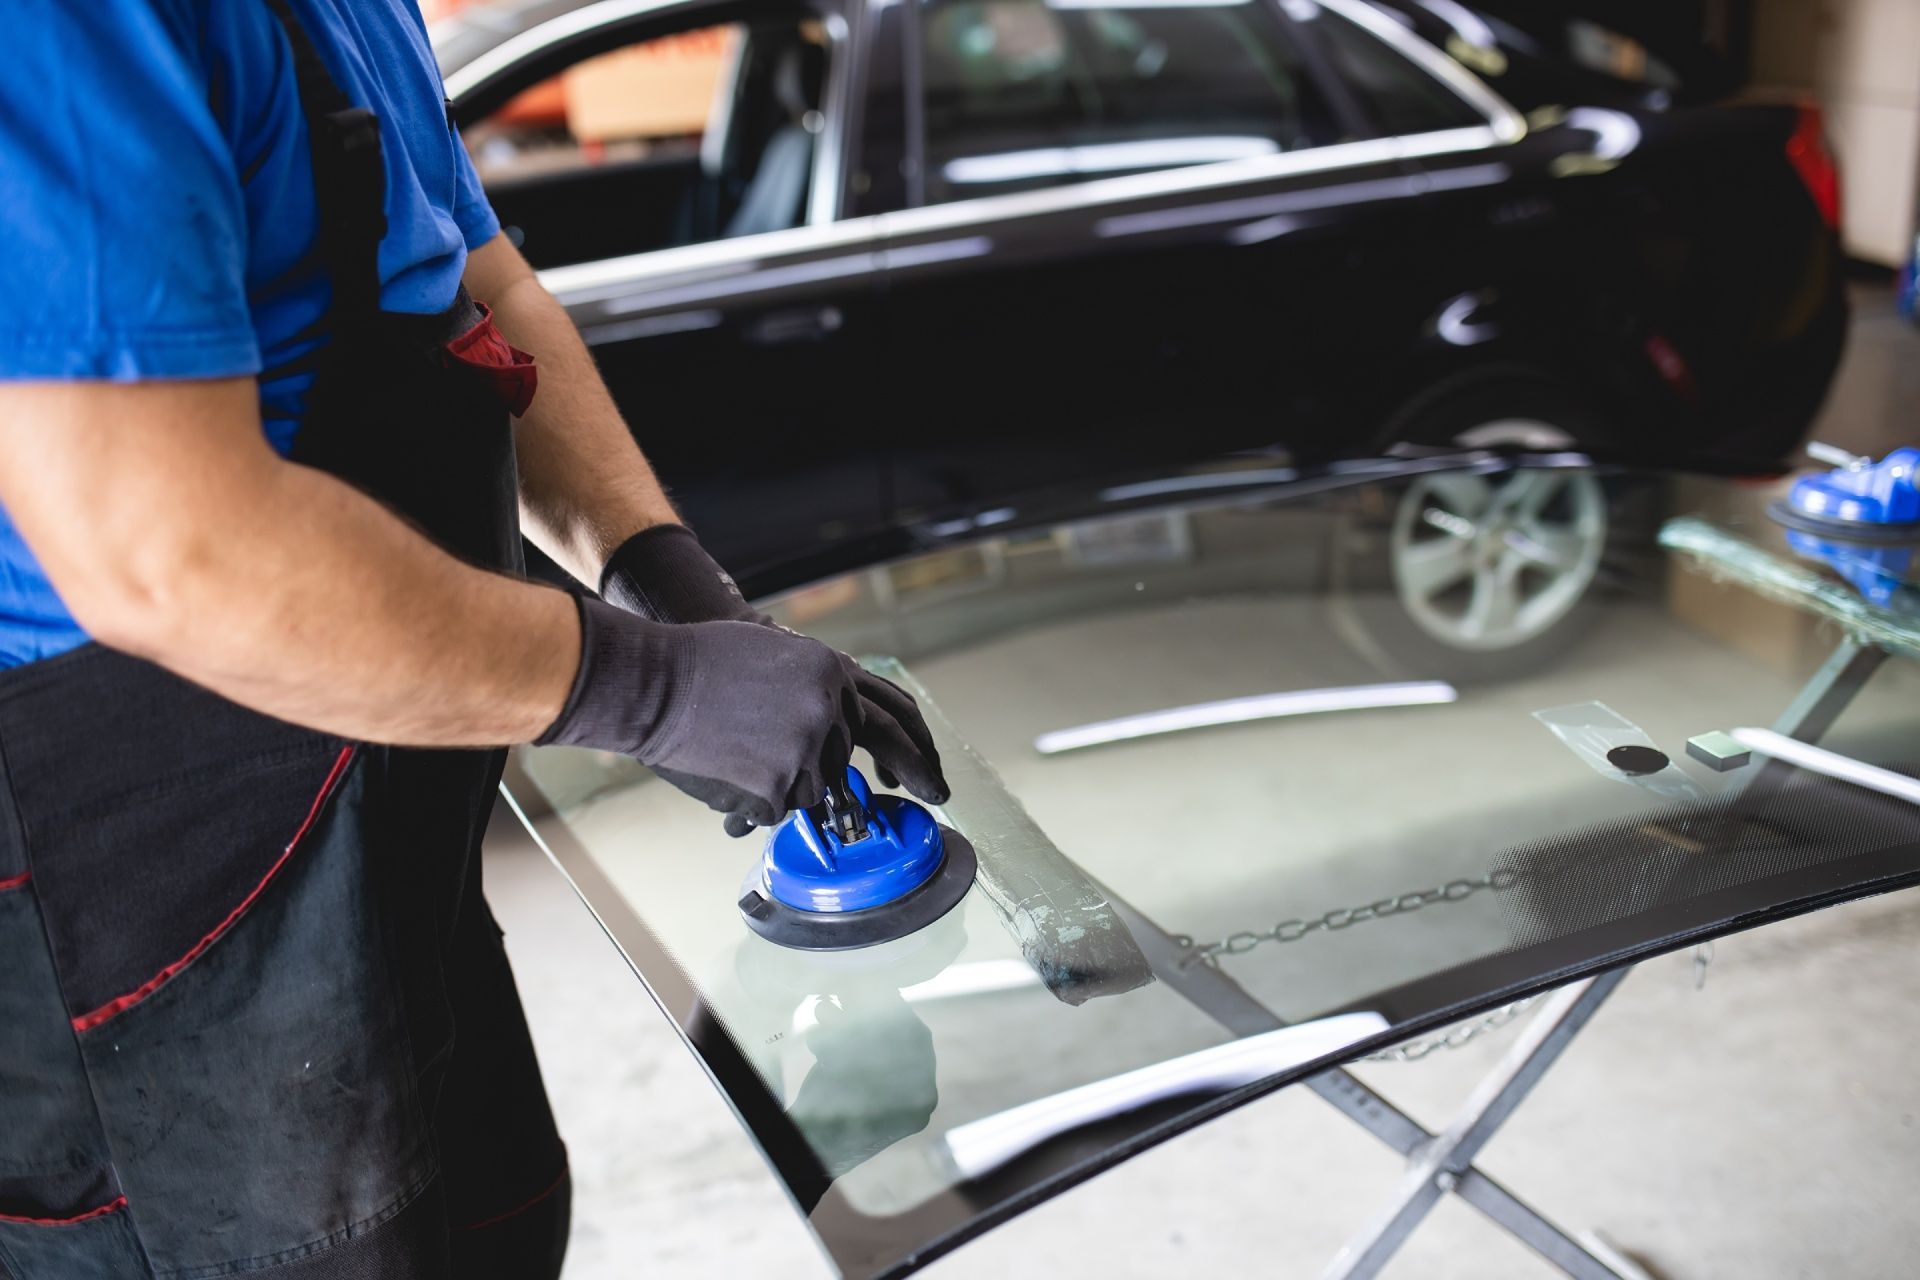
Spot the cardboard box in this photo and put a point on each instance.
(662, 88)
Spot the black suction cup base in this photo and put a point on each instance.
(1866, 535)
(845, 930)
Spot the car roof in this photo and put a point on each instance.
(464, 36)
(461, 37)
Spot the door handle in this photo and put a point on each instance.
(798, 324)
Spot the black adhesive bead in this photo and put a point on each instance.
(1636, 761)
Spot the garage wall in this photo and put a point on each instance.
(1861, 59)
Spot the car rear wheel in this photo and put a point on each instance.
(1475, 576)
(1492, 563)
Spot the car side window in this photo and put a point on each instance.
(646, 100)
(692, 136)
(1398, 96)
(1033, 93)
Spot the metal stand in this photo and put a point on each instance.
(1436, 1163)
(1442, 1163)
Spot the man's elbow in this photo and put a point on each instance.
(147, 600)
(138, 499)
(496, 269)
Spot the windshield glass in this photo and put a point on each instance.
(1263, 771)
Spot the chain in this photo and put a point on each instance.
(1235, 944)
(1453, 1037)
(1467, 1032)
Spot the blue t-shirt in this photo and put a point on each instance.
(157, 211)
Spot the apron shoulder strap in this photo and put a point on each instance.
(349, 176)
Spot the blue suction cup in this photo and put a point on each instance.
(1863, 519)
(855, 870)
(1864, 501)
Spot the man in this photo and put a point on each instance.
(261, 638)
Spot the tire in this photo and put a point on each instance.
(1477, 577)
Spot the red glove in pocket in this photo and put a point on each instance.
(508, 370)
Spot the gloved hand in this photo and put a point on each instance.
(663, 574)
(748, 719)
(751, 720)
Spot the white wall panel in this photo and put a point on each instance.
(1861, 59)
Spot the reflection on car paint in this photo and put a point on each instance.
(1060, 162)
(1300, 201)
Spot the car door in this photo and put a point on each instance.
(1135, 234)
(699, 250)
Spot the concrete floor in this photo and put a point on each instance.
(1760, 1127)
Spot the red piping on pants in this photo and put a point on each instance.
(112, 1206)
(120, 1004)
(14, 882)
(502, 1217)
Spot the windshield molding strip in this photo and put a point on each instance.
(1262, 706)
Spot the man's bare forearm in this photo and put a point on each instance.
(585, 487)
(173, 532)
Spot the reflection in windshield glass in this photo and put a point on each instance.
(984, 1145)
(1576, 781)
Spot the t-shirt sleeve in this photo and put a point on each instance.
(122, 228)
(478, 223)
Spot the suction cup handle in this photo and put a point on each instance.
(841, 813)
(1835, 456)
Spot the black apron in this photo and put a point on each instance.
(254, 1012)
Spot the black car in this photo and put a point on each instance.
(1623, 53)
(924, 261)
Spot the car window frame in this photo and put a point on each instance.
(1502, 123)
(491, 79)
(1399, 38)
(1346, 108)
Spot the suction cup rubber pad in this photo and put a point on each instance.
(844, 930)
(1870, 535)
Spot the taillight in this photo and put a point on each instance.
(1807, 150)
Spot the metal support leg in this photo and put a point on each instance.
(1839, 680)
(1808, 717)
(1406, 1135)
(1437, 1166)
(1215, 993)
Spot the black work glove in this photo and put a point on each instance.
(663, 574)
(751, 720)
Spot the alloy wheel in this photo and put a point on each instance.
(1489, 562)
